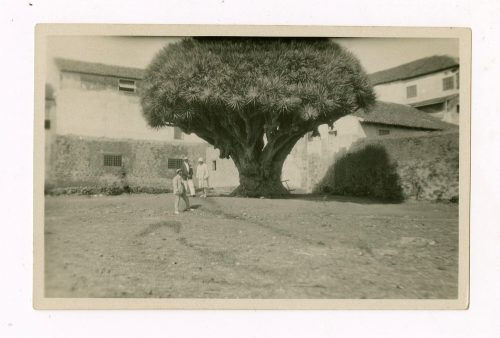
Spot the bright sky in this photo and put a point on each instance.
(374, 53)
(381, 53)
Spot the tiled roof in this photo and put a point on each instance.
(435, 100)
(415, 68)
(99, 69)
(401, 115)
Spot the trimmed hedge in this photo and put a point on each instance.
(106, 185)
(104, 191)
(367, 172)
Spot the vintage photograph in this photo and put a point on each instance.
(240, 167)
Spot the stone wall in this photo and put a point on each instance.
(79, 161)
(427, 164)
(311, 157)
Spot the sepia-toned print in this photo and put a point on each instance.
(245, 169)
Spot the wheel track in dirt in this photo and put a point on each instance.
(278, 231)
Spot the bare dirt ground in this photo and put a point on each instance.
(134, 246)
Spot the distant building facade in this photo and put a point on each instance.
(415, 98)
(95, 130)
(430, 84)
(312, 155)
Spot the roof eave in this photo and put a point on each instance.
(434, 101)
(400, 125)
(102, 74)
(415, 76)
(72, 66)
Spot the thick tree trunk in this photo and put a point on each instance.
(260, 172)
(260, 184)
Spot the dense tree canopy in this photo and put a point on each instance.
(253, 98)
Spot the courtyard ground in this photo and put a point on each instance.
(305, 247)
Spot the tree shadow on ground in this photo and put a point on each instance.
(316, 197)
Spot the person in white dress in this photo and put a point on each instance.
(202, 176)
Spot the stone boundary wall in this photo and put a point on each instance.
(78, 161)
(427, 164)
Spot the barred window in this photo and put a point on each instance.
(382, 132)
(174, 163)
(448, 83)
(411, 91)
(126, 85)
(112, 160)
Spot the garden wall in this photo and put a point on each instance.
(427, 164)
(79, 162)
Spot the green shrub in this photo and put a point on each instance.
(149, 190)
(111, 184)
(367, 172)
(106, 185)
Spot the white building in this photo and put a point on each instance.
(430, 84)
(95, 128)
(101, 100)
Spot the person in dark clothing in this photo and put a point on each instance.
(187, 175)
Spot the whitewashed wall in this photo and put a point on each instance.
(428, 87)
(105, 113)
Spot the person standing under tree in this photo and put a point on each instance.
(202, 176)
(187, 171)
(179, 192)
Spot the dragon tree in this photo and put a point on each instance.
(253, 98)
